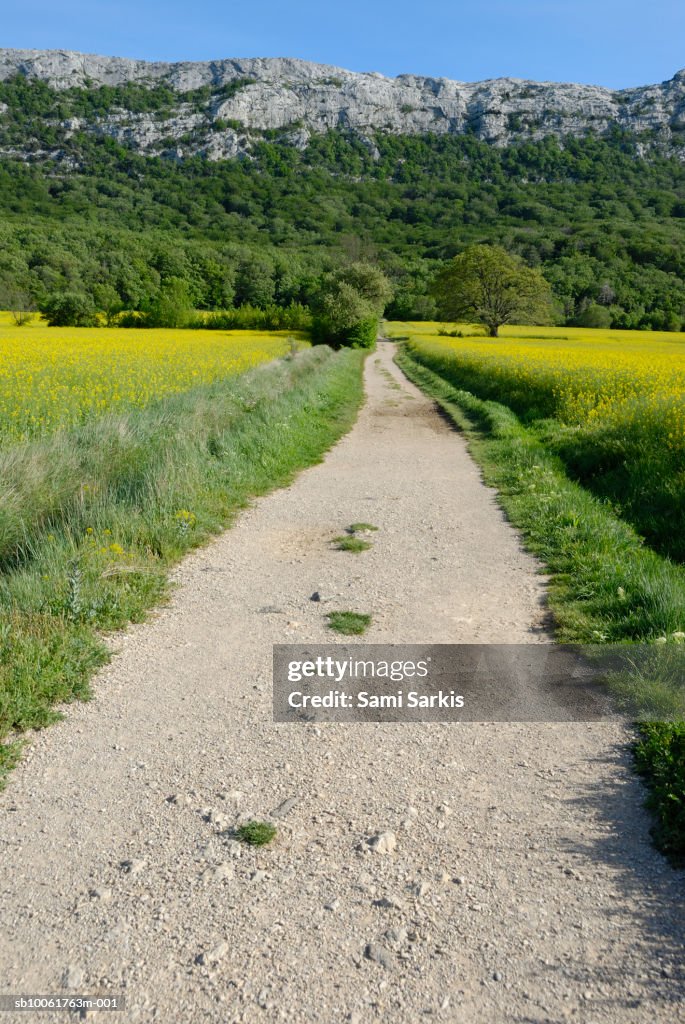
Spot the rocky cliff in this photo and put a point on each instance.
(220, 107)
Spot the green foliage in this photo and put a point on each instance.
(256, 833)
(349, 623)
(108, 301)
(660, 759)
(363, 333)
(594, 316)
(587, 212)
(172, 306)
(294, 317)
(369, 281)
(487, 285)
(29, 98)
(69, 309)
(354, 544)
(348, 304)
(20, 303)
(255, 284)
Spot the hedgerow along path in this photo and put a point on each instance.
(522, 884)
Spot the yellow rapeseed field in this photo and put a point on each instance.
(630, 382)
(53, 377)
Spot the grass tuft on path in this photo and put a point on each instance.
(350, 541)
(349, 623)
(354, 544)
(256, 833)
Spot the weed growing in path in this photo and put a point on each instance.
(351, 542)
(348, 543)
(350, 623)
(256, 833)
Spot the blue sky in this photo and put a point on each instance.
(616, 43)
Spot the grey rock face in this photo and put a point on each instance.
(298, 98)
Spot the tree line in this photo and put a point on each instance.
(602, 223)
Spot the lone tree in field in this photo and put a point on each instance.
(487, 285)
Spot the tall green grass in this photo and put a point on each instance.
(91, 519)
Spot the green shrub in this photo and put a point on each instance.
(594, 316)
(69, 309)
(364, 333)
(348, 305)
(173, 305)
(660, 759)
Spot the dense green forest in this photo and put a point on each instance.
(605, 224)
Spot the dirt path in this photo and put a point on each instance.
(522, 887)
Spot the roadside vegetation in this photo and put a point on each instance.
(607, 585)
(97, 513)
(660, 759)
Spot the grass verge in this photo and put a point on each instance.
(606, 586)
(93, 518)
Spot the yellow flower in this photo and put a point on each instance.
(625, 383)
(53, 377)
